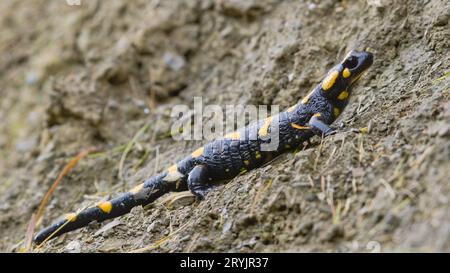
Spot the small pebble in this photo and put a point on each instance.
(73, 247)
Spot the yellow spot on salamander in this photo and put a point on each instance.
(137, 189)
(233, 135)
(257, 155)
(242, 170)
(247, 162)
(173, 168)
(173, 174)
(317, 115)
(329, 81)
(197, 152)
(71, 217)
(105, 206)
(343, 95)
(287, 146)
(337, 112)
(346, 73)
(264, 130)
(296, 126)
(305, 100)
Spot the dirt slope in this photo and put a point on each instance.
(73, 77)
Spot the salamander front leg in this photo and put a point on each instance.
(198, 181)
(319, 127)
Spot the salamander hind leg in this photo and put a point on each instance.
(198, 181)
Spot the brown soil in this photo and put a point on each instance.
(73, 77)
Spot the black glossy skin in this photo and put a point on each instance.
(225, 158)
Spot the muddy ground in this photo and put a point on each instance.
(74, 77)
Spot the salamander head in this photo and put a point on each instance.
(339, 79)
(357, 63)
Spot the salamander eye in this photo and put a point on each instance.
(351, 62)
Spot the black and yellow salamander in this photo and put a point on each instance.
(225, 158)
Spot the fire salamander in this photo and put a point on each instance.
(225, 158)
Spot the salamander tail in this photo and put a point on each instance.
(142, 194)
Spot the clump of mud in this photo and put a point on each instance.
(95, 74)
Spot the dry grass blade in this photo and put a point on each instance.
(142, 159)
(260, 194)
(55, 184)
(319, 152)
(56, 231)
(336, 212)
(52, 235)
(159, 242)
(29, 234)
(128, 148)
(36, 218)
(331, 157)
(117, 149)
(447, 74)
